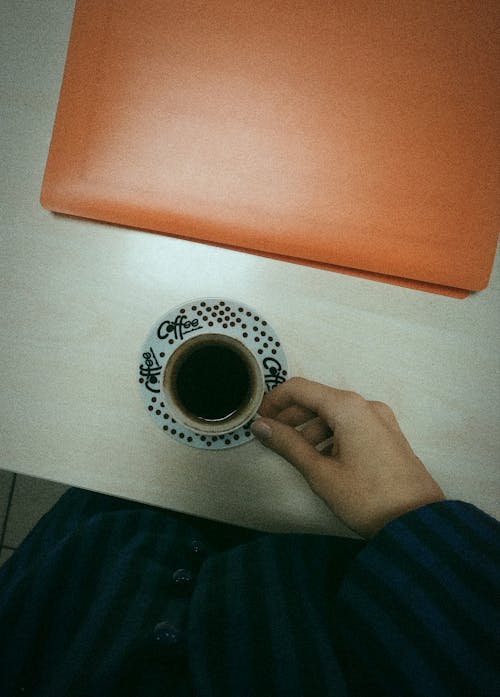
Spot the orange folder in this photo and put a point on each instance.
(360, 136)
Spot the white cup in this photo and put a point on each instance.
(218, 377)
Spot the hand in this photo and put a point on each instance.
(369, 475)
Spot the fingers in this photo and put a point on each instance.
(312, 428)
(367, 473)
(309, 395)
(291, 445)
(295, 415)
(316, 432)
(299, 400)
(328, 448)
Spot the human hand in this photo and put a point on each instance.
(369, 476)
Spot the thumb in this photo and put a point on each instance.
(291, 445)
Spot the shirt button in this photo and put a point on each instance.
(183, 580)
(168, 636)
(198, 550)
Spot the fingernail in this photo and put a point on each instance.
(261, 430)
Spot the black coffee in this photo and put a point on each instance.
(212, 382)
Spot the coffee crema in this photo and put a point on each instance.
(212, 382)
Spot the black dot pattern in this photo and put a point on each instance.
(182, 323)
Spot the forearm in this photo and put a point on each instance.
(419, 607)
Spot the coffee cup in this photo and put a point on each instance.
(212, 384)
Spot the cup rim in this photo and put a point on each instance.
(237, 420)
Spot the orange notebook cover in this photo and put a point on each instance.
(354, 135)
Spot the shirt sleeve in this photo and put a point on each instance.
(418, 611)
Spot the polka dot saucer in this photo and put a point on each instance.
(207, 316)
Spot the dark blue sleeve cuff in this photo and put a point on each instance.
(418, 611)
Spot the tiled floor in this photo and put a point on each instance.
(23, 501)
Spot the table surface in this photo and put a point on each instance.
(78, 299)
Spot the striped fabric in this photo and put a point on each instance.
(419, 610)
(261, 620)
(109, 597)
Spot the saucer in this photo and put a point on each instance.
(208, 316)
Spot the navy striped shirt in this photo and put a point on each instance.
(111, 597)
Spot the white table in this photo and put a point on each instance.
(78, 298)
